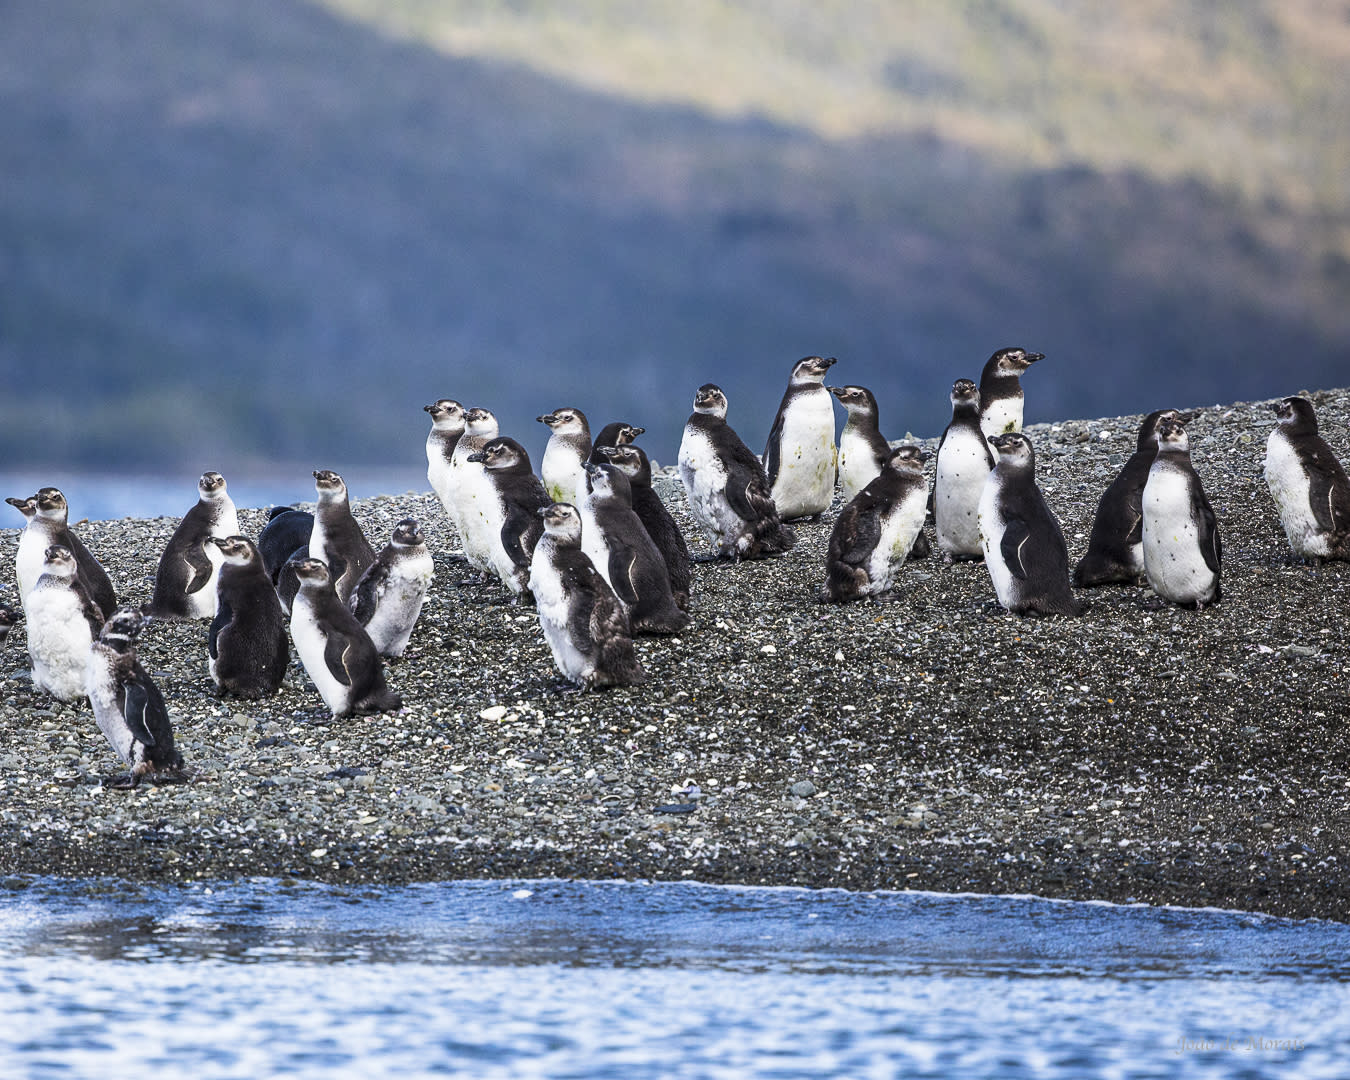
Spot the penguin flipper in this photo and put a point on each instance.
(1328, 492)
(772, 454)
(858, 531)
(1211, 548)
(223, 617)
(337, 651)
(1015, 537)
(136, 710)
(622, 564)
(520, 533)
(365, 598)
(200, 567)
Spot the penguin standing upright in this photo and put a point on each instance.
(1001, 396)
(863, 451)
(1024, 547)
(1308, 484)
(517, 497)
(49, 527)
(964, 461)
(62, 623)
(336, 539)
(128, 706)
(474, 500)
(725, 484)
(800, 456)
(247, 650)
(185, 582)
(1182, 551)
(389, 596)
(285, 537)
(447, 428)
(613, 435)
(568, 448)
(655, 518)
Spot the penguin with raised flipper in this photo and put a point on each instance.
(1308, 483)
(247, 649)
(185, 582)
(800, 456)
(1182, 550)
(389, 596)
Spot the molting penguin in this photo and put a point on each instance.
(447, 427)
(285, 537)
(1001, 397)
(1024, 546)
(335, 649)
(336, 538)
(655, 518)
(617, 543)
(475, 502)
(389, 596)
(519, 496)
(964, 461)
(62, 623)
(569, 446)
(49, 527)
(1115, 551)
(1308, 484)
(725, 484)
(128, 706)
(185, 583)
(611, 436)
(874, 533)
(1182, 551)
(800, 456)
(247, 650)
(584, 623)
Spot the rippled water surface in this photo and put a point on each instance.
(560, 979)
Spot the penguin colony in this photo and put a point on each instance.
(594, 549)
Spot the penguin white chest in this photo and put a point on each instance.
(399, 604)
(962, 469)
(561, 471)
(1290, 488)
(704, 476)
(992, 526)
(593, 541)
(1173, 560)
(310, 645)
(101, 681)
(898, 530)
(554, 607)
(806, 456)
(857, 463)
(58, 642)
(1002, 415)
(33, 544)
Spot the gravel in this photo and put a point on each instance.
(1140, 753)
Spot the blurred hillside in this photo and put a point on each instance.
(273, 229)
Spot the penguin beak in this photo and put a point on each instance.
(1032, 357)
(479, 456)
(547, 418)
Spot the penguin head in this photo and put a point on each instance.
(1007, 363)
(27, 507)
(811, 369)
(965, 392)
(502, 454)
(329, 485)
(480, 423)
(618, 434)
(407, 534)
(211, 485)
(59, 561)
(629, 460)
(1148, 430)
(563, 522)
(310, 572)
(1014, 449)
(446, 414)
(1296, 414)
(51, 504)
(710, 401)
(907, 459)
(856, 399)
(235, 550)
(607, 482)
(122, 628)
(566, 421)
(1172, 435)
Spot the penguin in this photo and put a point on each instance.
(1001, 397)
(614, 538)
(964, 461)
(1024, 547)
(128, 706)
(336, 539)
(63, 622)
(471, 492)
(1115, 551)
(389, 596)
(8, 619)
(1308, 484)
(335, 649)
(584, 623)
(49, 527)
(800, 456)
(1182, 551)
(185, 582)
(569, 446)
(247, 649)
(874, 533)
(612, 435)
(519, 497)
(26, 571)
(863, 452)
(725, 484)
(447, 428)
(285, 537)
(655, 518)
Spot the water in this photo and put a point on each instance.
(558, 979)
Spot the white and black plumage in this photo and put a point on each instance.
(62, 623)
(584, 624)
(9, 618)
(285, 537)
(1001, 397)
(874, 533)
(447, 428)
(568, 448)
(517, 497)
(863, 451)
(655, 518)
(613, 435)
(1024, 547)
(476, 506)
(247, 649)
(336, 539)
(185, 582)
(48, 527)
(1308, 484)
(335, 649)
(128, 706)
(1115, 551)
(964, 461)
(1182, 550)
(619, 546)
(389, 596)
(800, 456)
(726, 486)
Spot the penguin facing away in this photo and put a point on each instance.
(389, 596)
(964, 461)
(1001, 396)
(519, 496)
(63, 622)
(49, 526)
(185, 581)
(655, 518)
(1182, 550)
(336, 539)
(568, 448)
(1307, 482)
(285, 537)
(800, 456)
(247, 646)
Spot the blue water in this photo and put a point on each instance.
(558, 979)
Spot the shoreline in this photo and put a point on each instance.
(1139, 754)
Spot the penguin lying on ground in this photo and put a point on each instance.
(800, 456)
(247, 650)
(1308, 484)
(389, 596)
(185, 582)
(1182, 551)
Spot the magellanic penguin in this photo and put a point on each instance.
(619, 546)
(618, 433)
(285, 537)
(128, 706)
(335, 649)
(247, 648)
(725, 484)
(62, 623)
(800, 456)
(655, 518)
(863, 452)
(584, 623)
(567, 450)
(1024, 547)
(48, 527)
(471, 493)
(518, 497)
(1115, 551)
(874, 533)
(447, 427)
(336, 539)
(9, 618)
(1308, 484)
(1182, 551)
(185, 583)
(389, 596)
(1001, 397)
(964, 461)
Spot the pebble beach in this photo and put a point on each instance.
(1138, 754)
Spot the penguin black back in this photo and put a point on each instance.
(247, 643)
(655, 518)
